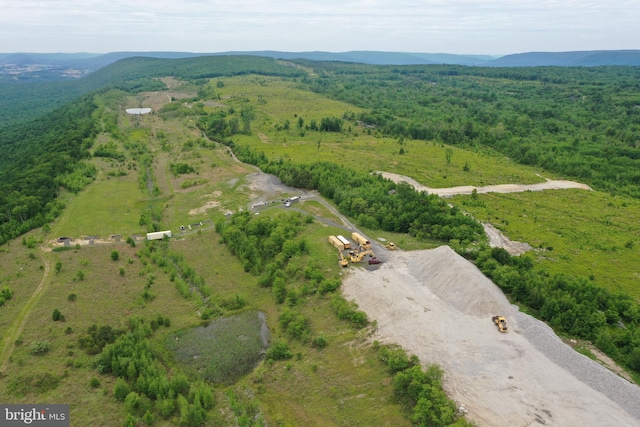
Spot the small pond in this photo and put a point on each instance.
(224, 350)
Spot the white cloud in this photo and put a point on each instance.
(457, 26)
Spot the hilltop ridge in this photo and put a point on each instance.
(22, 66)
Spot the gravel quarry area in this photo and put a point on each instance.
(438, 306)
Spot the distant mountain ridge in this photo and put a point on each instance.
(591, 58)
(61, 66)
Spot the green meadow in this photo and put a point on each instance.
(586, 233)
(583, 233)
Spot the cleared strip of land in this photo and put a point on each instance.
(500, 188)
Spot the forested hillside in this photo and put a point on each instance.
(39, 158)
(579, 122)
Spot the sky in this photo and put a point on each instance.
(493, 27)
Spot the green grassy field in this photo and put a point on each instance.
(578, 232)
(110, 206)
(356, 147)
(583, 233)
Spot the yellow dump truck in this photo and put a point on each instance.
(359, 239)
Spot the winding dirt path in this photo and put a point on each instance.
(499, 188)
(15, 329)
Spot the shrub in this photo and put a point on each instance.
(279, 351)
(57, 316)
(320, 342)
(121, 389)
(40, 347)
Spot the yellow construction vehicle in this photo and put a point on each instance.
(391, 246)
(363, 242)
(501, 323)
(359, 256)
(342, 261)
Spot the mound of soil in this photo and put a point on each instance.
(460, 283)
(438, 306)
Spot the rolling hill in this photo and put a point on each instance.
(568, 59)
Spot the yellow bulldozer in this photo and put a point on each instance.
(501, 323)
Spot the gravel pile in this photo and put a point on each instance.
(438, 306)
(586, 370)
(474, 294)
(460, 284)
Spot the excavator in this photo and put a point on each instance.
(342, 261)
(359, 256)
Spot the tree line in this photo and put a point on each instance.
(579, 122)
(39, 157)
(373, 201)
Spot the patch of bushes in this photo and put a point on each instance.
(33, 384)
(5, 295)
(181, 168)
(279, 350)
(38, 348)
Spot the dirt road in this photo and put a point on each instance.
(500, 188)
(15, 329)
(438, 306)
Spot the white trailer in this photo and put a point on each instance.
(345, 242)
(158, 235)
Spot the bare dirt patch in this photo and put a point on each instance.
(499, 240)
(500, 188)
(267, 183)
(438, 306)
(211, 204)
(264, 138)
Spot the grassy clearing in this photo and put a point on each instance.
(583, 233)
(112, 206)
(103, 297)
(277, 102)
(21, 273)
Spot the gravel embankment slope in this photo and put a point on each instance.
(438, 306)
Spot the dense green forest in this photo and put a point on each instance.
(39, 158)
(579, 122)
